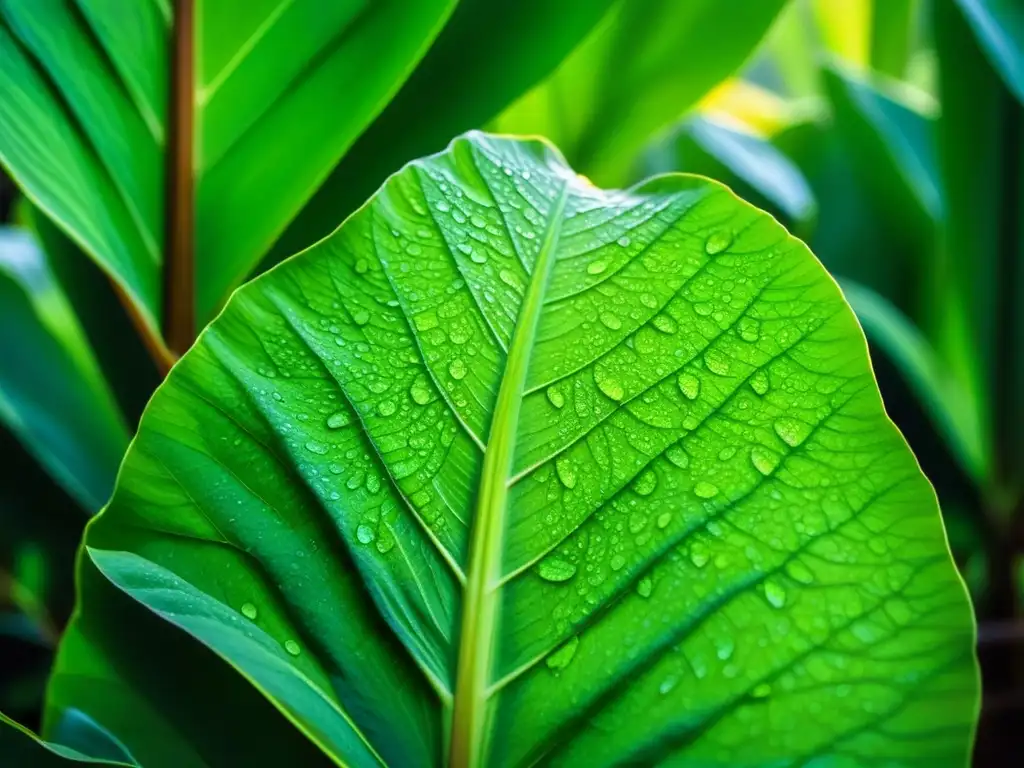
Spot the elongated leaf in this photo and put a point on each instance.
(486, 57)
(761, 173)
(637, 73)
(20, 747)
(999, 27)
(52, 394)
(518, 470)
(936, 388)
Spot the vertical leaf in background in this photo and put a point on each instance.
(59, 171)
(893, 30)
(489, 53)
(998, 26)
(978, 265)
(755, 168)
(52, 393)
(637, 73)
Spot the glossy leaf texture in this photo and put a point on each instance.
(631, 439)
(639, 70)
(20, 747)
(52, 392)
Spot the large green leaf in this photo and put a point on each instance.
(519, 470)
(22, 748)
(637, 73)
(282, 91)
(487, 56)
(52, 393)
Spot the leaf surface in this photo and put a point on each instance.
(523, 470)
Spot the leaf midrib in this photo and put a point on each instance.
(480, 603)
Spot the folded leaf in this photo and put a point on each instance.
(511, 469)
(21, 747)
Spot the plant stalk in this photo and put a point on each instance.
(179, 254)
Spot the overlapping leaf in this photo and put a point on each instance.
(632, 436)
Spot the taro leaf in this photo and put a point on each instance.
(520, 470)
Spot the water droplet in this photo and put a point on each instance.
(623, 241)
(717, 242)
(443, 207)
(764, 460)
(457, 369)
(644, 586)
(724, 647)
(762, 691)
(678, 456)
(555, 397)
(566, 473)
(791, 431)
(699, 554)
(759, 382)
(314, 447)
(727, 453)
(509, 279)
(705, 490)
(664, 519)
(425, 321)
(799, 572)
(617, 562)
(249, 611)
(387, 408)
(292, 648)
(716, 362)
(668, 684)
(556, 569)
(365, 534)
(337, 420)
(477, 221)
(749, 329)
(689, 385)
(420, 392)
(465, 248)
(478, 257)
(646, 483)
(665, 323)
(774, 593)
(561, 658)
(413, 249)
(361, 266)
(610, 320)
(596, 267)
(608, 384)
(360, 317)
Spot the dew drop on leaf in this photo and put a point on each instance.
(646, 483)
(623, 241)
(717, 242)
(699, 554)
(799, 572)
(664, 519)
(292, 648)
(644, 586)
(762, 691)
(420, 392)
(665, 323)
(596, 267)
(791, 431)
(555, 397)
(764, 460)
(724, 648)
(337, 420)
(387, 408)
(314, 447)
(610, 320)
(678, 456)
(759, 382)
(617, 562)
(556, 569)
(749, 329)
(566, 473)
(561, 658)
(360, 317)
(249, 611)
(365, 534)
(716, 362)
(609, 385)
(705, 490)
(774, 593)
(457, 369)
(689, 385)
